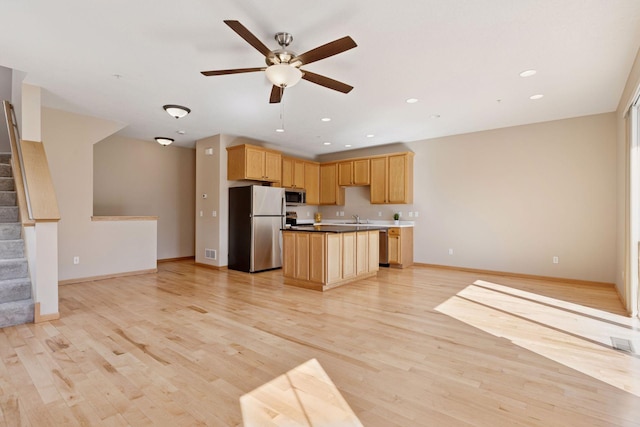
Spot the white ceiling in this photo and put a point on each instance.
(460, 58)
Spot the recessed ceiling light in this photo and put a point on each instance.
(279, 130)
(528, 73)
(326, 143)
(326, 119)
(435, 116)
(181, 132)
(370, 135)
(412, 100)
(537, 96)
(347, 145)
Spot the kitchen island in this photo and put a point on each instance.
(321, 257)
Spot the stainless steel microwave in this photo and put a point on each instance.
(295, 197)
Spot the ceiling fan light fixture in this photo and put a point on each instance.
(177, 111)
(283, 75)
(163, 140)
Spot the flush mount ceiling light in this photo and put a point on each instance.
(326, 119)
(283, 75)
(326, 143)
(370, 135)
(163, 140)
(528, 73)
(537, 96)
(177, 111)
(412, 100)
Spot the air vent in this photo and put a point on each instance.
(210, 253)
(622, 344)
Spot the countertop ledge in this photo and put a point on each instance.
(371, 223)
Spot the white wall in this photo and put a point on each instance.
(103, 247)
(511, 199)
(5, 95)
(134, 177)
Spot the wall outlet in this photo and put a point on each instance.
(410, 214)
(416, 214)
(379, 213)
(201, 213)
(450, 251)
(556, 260)
(214, 214)
(341, 213)
(400, 214)
(76, 260)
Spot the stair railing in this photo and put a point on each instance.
(12, 128)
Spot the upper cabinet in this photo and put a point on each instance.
(392, 179)
(353, 172)
(293, 173)
(254, 163)
(330, 192)
(312, 182)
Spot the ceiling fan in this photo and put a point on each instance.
(283, 65)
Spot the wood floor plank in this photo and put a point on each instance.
(414, 347)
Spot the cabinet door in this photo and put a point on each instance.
(345, 173)
(287, 172)
(328, 185)
(395, 246)
(374, 250)
(378, 180)
(316, 257)
(362, 252)
(397, 179)
(272, 166)
(334, 257)
(255, 164)
(360, 172)
(348, 255)
(302, 256)
(298, 174)
(312, 183)
(288, 254)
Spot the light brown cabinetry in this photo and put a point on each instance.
(330, 192)
(392, 179)
(400, 247)
(321, 261)
(312, 182)
(353, 172)
(253, 163)
(293, 175)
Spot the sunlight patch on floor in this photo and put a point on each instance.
(576, 336)
(304, 396)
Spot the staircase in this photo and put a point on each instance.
(16, 304)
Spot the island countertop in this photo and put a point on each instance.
(333, 228)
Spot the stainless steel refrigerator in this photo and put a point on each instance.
(256, 217)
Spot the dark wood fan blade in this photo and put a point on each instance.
(326, 82)
(233, 71)
(248, 36)
(326, 50)
(276, 94)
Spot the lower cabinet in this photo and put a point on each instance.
(400, 246)
(324, 260)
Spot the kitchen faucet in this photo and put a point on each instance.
(357, 218)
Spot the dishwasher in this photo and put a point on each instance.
(384, 248)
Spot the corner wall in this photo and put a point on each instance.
(104, 248)
(134, 177)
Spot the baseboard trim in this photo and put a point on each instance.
(212, 267)
(106, 276)
(519, 275)
(40, 318)
(181, 258)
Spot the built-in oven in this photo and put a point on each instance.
(384, 248)
(295, 197)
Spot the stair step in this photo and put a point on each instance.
(10, 231)
(15, 290)
(5, 158)
(11, 249)
(5, 170)
(14, 268)
(7, 184)
(8, 214)
(16, 313)
(7, 198)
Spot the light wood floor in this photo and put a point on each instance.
(419, 347)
